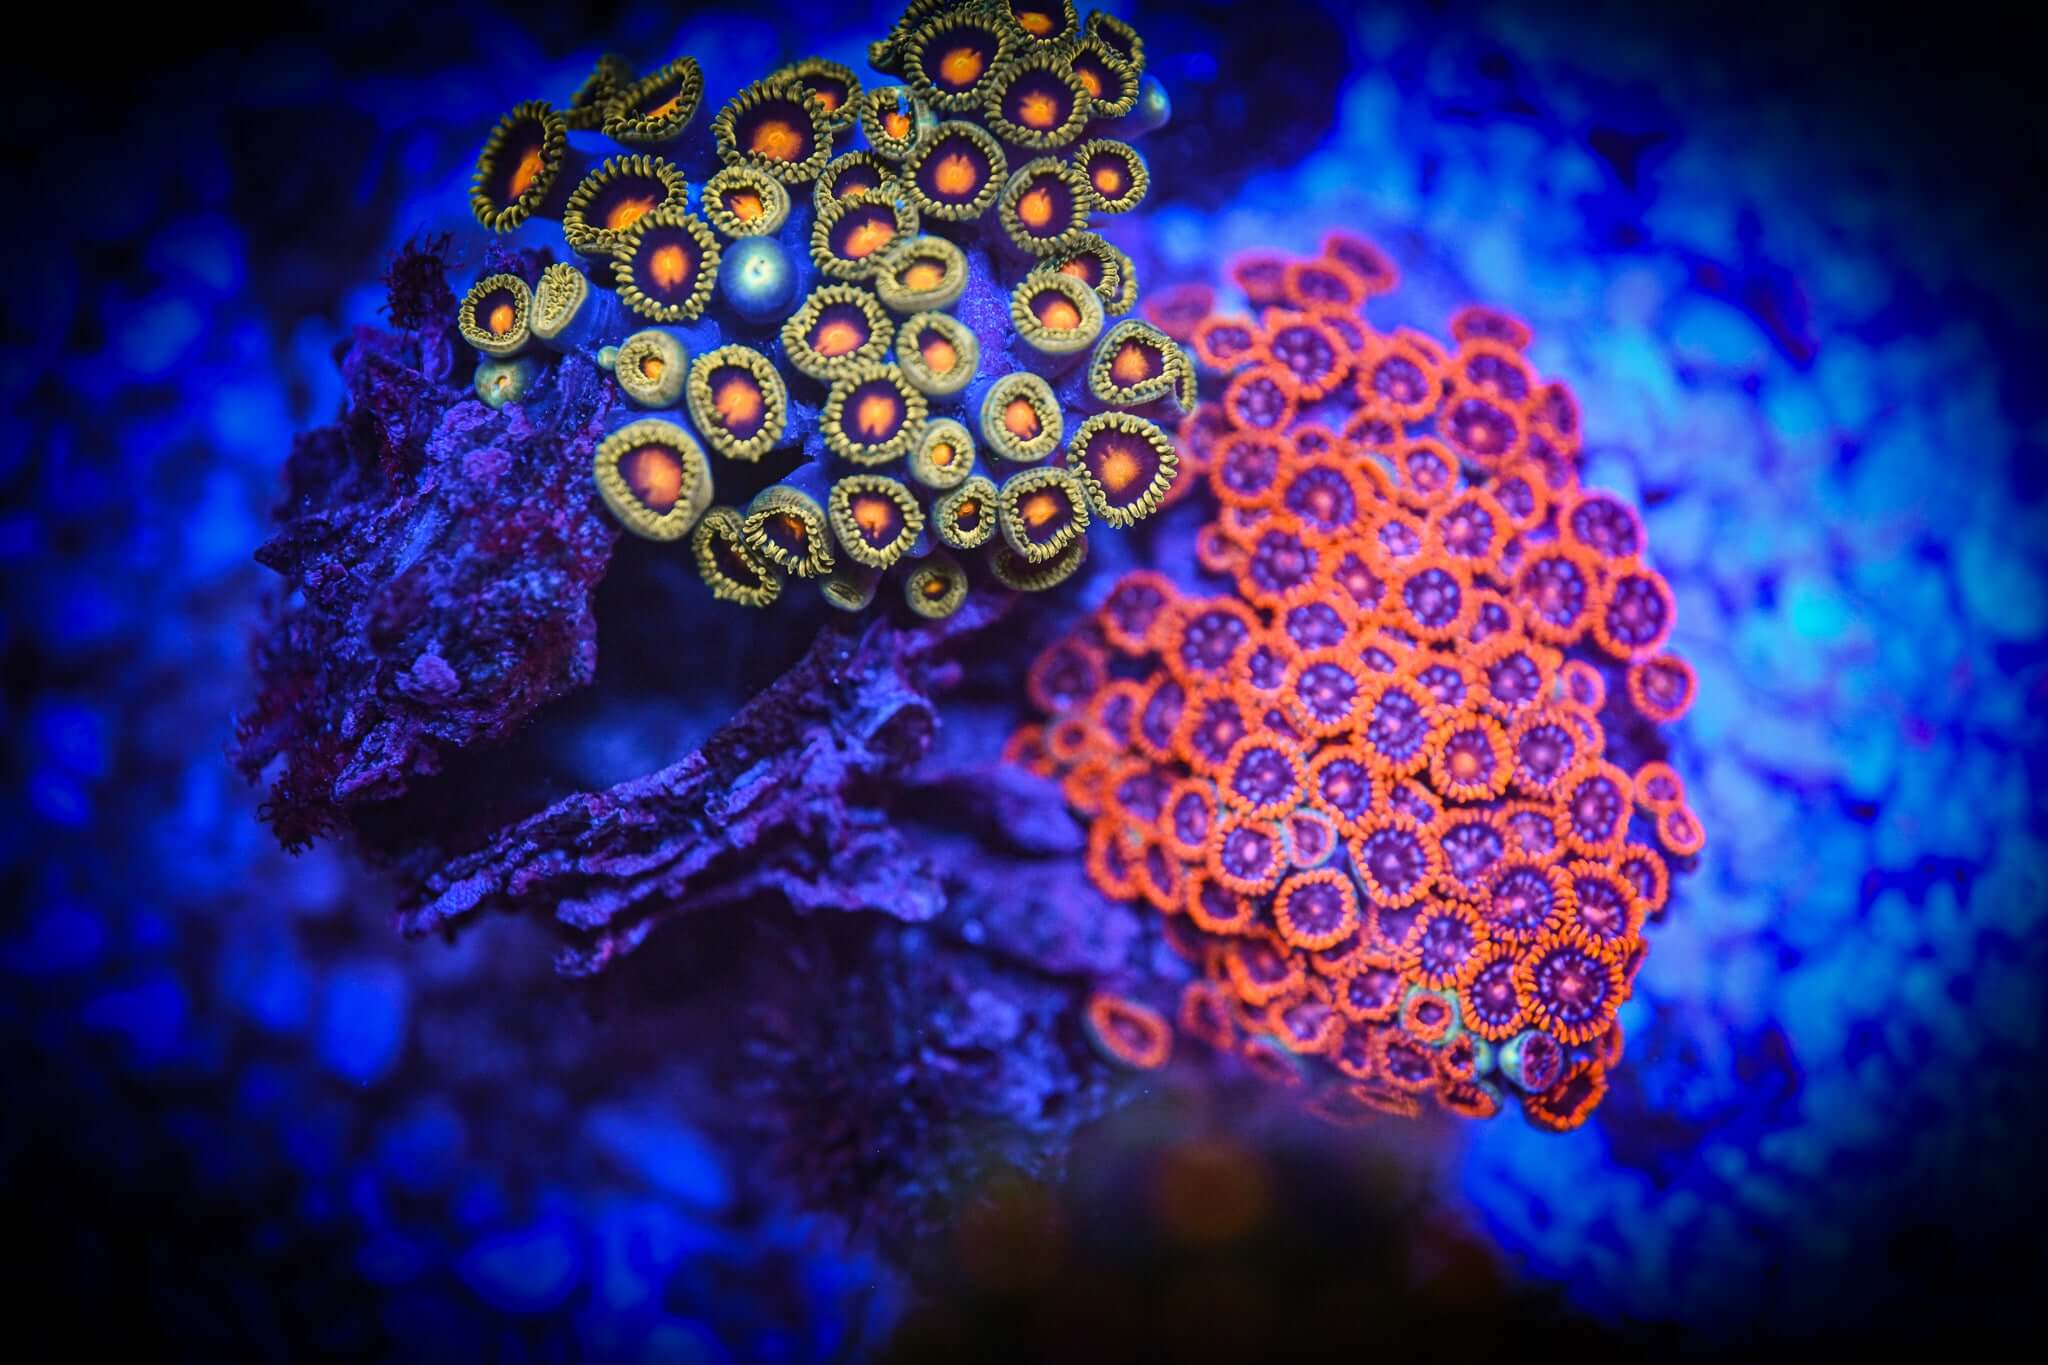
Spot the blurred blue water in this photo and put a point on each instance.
(1819, 396)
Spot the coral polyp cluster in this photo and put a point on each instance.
(866, 327)
(1396, 784)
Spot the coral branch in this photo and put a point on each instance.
(790, 798)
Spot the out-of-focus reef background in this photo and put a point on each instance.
(1785, 259)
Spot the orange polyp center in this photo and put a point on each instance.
(1091, 80)
(1132, 365)
(1078, 268)
(1041, 508)
(1035, 22)
(942, 455)
(778, 140)
(868, 237)
(853, 180)
(745, 205)
(1057, 312)
(874, 516)
(956, 175)
(827, 97)
(1119, 467)
(922, 275)
(935, 588)
(1020, 419)
(655, 475)
(627, 212)
(727, 556)
(896, 124)
(967, 514)
(501, 319)
(738, 402)
(1464, 764)
(939, 355)
(1038, 109)
(961, 67)
(670, 266)
(1109, 178)
(838, 338)
(790, 528)
(532, 162)
(876, 415)
(651, 366)
(1035, 207)
(665, 108)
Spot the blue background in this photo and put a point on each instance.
(1802, 319)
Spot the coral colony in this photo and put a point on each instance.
(844, 333)
(1383, 756)
(1396, 788)
(858, 330)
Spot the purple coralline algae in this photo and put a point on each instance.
(440, 557)
(786, 800)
